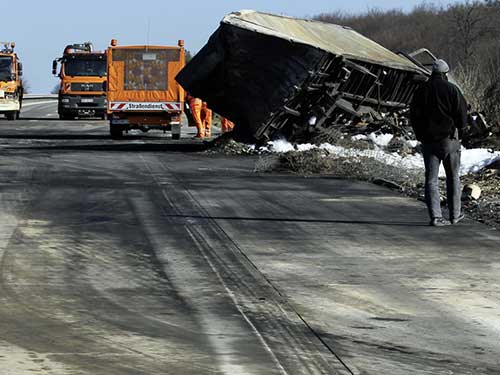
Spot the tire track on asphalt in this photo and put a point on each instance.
(80, 292)
(236, 352)
(295, 346)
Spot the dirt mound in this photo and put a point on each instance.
(225, 144)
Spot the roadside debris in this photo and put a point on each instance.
(471, 192)
(225, 144)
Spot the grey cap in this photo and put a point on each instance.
(440, 66)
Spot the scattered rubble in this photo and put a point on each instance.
(356, 167)
(471, 192)
(485, 208)
(225, 144)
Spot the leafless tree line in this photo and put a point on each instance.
(467, 35)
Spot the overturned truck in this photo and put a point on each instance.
(275, 75)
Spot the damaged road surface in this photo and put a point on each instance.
(130, 257)
(275, 75)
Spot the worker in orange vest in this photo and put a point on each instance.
(206, 118)
(195, 105)
(226, 125)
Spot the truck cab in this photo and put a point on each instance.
(83, 76)
(11, 85)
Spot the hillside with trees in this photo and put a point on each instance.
(464, 34)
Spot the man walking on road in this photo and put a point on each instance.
(438, 114)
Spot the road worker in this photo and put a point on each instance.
(195, 105)
(226, 125)
(206, 118)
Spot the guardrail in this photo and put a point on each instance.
(40, 97)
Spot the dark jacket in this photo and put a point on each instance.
(437, 110)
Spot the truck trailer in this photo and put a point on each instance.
(277, 76)
(82, 91)
(11, 84)
(142, 92)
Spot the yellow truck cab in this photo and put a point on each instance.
(11, 84)
(82, 91)
(142, 90)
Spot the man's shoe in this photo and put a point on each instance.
(439, 222)
(455, 220)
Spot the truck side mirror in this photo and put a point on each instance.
(54, 67)
(20, 69)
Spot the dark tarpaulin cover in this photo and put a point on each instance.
(244, 76)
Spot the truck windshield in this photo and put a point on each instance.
(5, 68)
(85, 67)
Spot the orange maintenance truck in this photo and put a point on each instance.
(82, 89)
(142, 90)
(11, 84)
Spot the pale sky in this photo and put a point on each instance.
(41, 29)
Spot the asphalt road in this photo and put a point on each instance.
(148, 256)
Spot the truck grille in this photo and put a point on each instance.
(83, 86)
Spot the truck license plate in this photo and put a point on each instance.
(87, 100)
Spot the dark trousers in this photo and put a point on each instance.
(448, 152)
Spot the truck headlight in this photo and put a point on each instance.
(65, 100)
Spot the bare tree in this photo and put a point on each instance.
(470, 23)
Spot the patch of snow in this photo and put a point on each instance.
(281, 145)
(412, 144)
(381, 140)
(392, 159)
(305, 147)
(359, 137)
(473, 160)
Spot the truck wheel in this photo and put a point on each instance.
(18, 115)
(176, 131)
(115, 131)
(11, 116)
